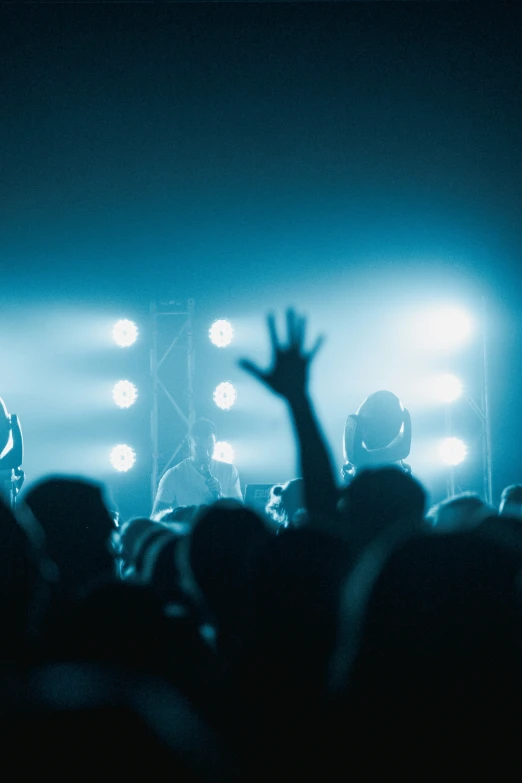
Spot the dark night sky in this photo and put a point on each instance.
(246, 152)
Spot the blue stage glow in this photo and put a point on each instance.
(448, 388)
(453, 451)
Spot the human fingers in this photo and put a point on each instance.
(252, 369)
(272, 331)
(316, 347)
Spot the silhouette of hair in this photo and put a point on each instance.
(18, 577)
(380, 497)
(77, 526)
(132, 534)
(460, 511)
(285, 501)
(202, 428)
(179, 514)
(224, 547)
(512, 494)
(437, 622)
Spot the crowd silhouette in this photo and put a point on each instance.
(347, 633)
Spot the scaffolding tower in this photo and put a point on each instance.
(172, 371)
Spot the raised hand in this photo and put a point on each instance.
(288, 374)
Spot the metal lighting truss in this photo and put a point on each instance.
(172, 370)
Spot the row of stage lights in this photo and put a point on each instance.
(221, 334)
(125, 393)
(448, 388)
(452, 451)
(452, 327)
(124, 333)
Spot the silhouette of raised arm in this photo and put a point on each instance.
(287, 377)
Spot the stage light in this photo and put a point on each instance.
(448, 388)
(378, 434)
(225, 395)
(453, 451)
(221, 333)
(124, 394)
(448, 326)
(122, 458)
(125, 333)
(223, 451)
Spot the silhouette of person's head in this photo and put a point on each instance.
(178, 520)
(202, 440)
(461, 512)
(511, 501)
(432, 632)
(444, 613)
(379, 498)
(285, 501)
(18, 578)
(225, 545)
(77, 527)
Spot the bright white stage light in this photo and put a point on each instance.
(221, 333)
(225, 395)
(448, 388)
(125, 333)
(223, 451)
(122, 458)
(124, 394)
(453, 451)
(448, 326)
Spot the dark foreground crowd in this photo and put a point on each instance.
(347, 634)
